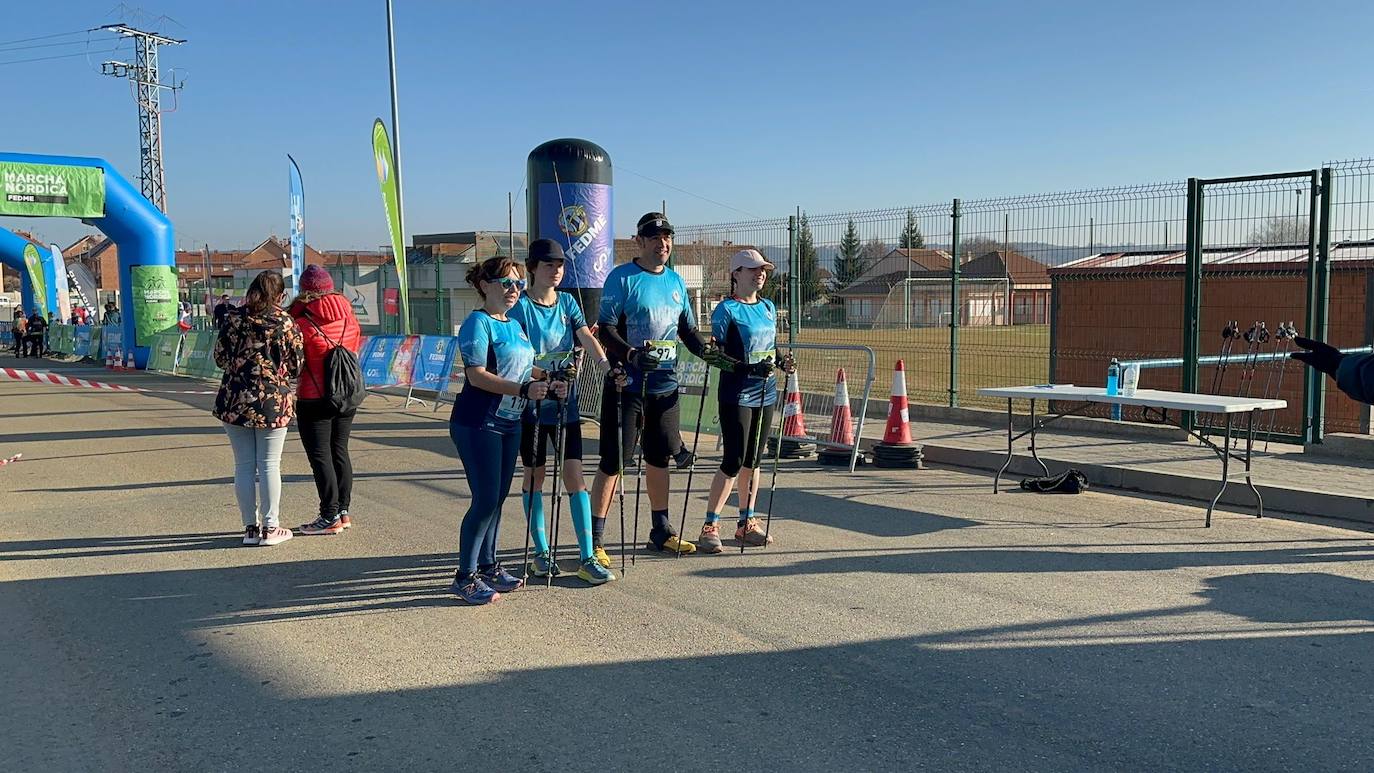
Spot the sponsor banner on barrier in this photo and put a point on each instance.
(60, 339)
(94, 350)
(112, 342)
(434, 362)
(162, 355)
(378, 352)
(81, 341)
(198, 355)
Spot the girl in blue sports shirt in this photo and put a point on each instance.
(744, 346)
(498, 362)
(558, 332)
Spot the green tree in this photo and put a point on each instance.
(849, 262)
(808, 266)
(911, 237)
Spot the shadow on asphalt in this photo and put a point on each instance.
(968, 699)
(1013, 561)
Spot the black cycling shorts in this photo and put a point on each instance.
(621, 416)
(744, 431)
(533, 454)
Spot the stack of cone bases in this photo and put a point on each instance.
(841, 428)
(796, 444)
(897, 448)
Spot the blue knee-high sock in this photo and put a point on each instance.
(581, 505)
(534, 513)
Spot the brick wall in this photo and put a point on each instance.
(1140, 315)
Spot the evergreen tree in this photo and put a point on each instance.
(808, 266)
(911, 234)
(849, 262)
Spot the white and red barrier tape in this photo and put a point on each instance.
(11, 460)
(44, 377)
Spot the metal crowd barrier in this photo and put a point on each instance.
(817, 365)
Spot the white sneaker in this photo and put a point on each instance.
(251, 535)
(275, 536)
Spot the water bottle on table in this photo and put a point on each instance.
(1113, 384)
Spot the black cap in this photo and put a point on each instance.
(654, 223)
(546, 250)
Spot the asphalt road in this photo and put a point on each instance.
(903, 621)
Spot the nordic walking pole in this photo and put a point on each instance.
(757, 446)
(1229, 334)
(620, 476)
(687, 497)
(557, 476)
(1286, 334)
(773, 486)
(639, 441)
(525, 559)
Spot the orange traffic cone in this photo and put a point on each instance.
(109, 358)
(897, 448)
(841, 423)
(898, 415)
(793, 425)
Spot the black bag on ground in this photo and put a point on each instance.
(1068, 482)
(343, 375)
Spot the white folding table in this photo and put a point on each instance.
(1084, 397)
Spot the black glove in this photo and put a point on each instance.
(644, 359)
(1324, 357)
(761, 369)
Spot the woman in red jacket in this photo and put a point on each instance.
(326, 320)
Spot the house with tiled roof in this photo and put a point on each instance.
(910, 288)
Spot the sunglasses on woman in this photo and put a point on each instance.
(507, 283)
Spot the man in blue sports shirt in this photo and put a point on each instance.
(645, 311)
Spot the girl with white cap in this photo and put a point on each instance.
(744, 347)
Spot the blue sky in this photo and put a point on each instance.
(761, 106)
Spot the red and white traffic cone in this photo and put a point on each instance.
(841, 445)
(796, 444)
(897, 448)
(841, 422)
(109, 359)
(793, 423)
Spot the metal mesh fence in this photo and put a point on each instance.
(1044, 288)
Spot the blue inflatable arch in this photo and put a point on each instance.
(140, 230)
(12, 254)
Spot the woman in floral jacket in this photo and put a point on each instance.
(259, 348)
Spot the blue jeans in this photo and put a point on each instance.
(257, 453)
(489, 465)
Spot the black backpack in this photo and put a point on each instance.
(343, 374)
(1068, 482)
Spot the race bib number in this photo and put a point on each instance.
(553, 362)
(511, 407)
(666, 351)
(756, 357)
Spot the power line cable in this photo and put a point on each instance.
(7, 49)
(47, 37)
(64, 56)
(623, 168)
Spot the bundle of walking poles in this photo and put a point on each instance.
(1256, 338)
(568, 374)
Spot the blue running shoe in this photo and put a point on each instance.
(541, 565)
(474, 591)
(500, 580)
(593, 572)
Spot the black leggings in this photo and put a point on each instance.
(660, 417)
(324, 433)
(744, 431)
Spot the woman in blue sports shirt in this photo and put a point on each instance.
(744, 340)
(498, 363)
(556, 327)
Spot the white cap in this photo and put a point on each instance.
(748, 259)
